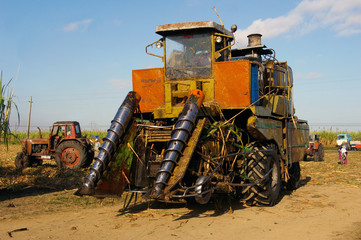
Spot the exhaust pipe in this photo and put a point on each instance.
(110, 143)
(254, 40)
(183, 129)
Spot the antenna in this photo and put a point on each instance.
(214, 8)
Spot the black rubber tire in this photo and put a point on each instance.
(90, 158)
(71, 154)
(319, 155)
(33, 162)
(38, 162)
(22, 161)
(259, 164)
(295, 175)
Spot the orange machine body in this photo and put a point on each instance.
(231, 86)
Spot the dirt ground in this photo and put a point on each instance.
(326, 206)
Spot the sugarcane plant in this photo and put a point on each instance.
(6, 103)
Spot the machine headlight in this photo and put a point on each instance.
(218, 39)
(159, 44)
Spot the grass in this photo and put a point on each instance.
(328, 138)
(330, 172)
(17, 136)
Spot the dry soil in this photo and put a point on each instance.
(327, 205)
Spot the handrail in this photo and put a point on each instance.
(152, 54)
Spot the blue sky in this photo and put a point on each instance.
(75, 57)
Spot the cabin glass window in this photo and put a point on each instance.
(188, 56)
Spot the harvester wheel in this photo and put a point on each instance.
(71, 154)
(319, 155)
(22, 161)
(264, 160)
(295, 174)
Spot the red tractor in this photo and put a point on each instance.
(315, 148)
(65, 144)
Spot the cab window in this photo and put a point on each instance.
(188, 56)
(77, 130)
(68, 130)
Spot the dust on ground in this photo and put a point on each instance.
(325, 206)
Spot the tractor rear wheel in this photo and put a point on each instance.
(22, 161)
(71, 154)
(263, 168)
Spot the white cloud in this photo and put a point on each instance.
(120, 84)
(343, 17)
(75, 26)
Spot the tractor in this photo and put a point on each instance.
(315, 148)
(65, 144)
(214, 120)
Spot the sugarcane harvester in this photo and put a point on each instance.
(214, 120)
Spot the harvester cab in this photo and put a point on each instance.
(214, 119)
(190, 51)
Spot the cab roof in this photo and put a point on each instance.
(167, 29)
(66, 123)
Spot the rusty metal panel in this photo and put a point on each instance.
(278, 104)
(232, 84)
(149, 84)
(29, 143)
(297, 139)
(166, 28)
(266, 129)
